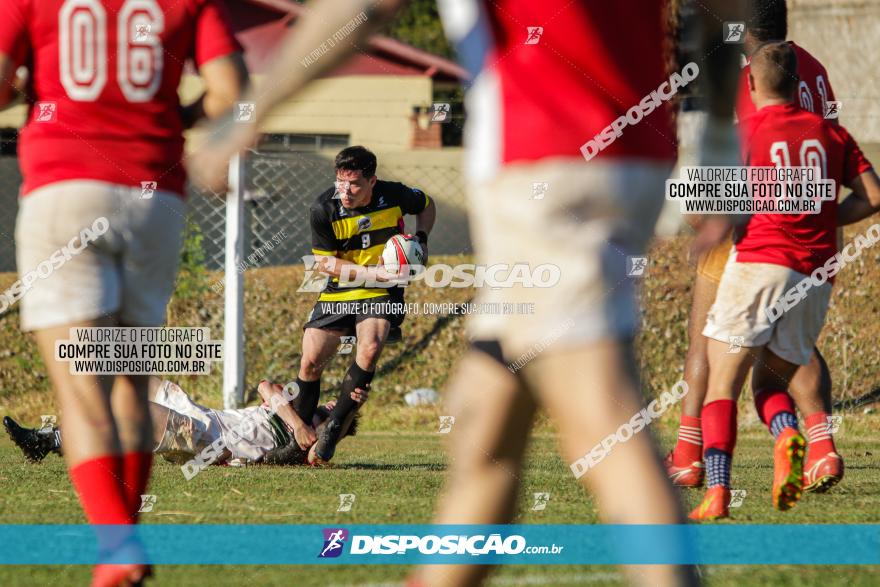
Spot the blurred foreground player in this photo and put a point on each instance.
(548, 77)
(100, 158)
(775, 255)
(541, 102)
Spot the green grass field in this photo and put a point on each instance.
(396, 478)
(395, 466)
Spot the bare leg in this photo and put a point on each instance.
(486, 455)
(318, 347)
(811, 386)
(131, 413)
(771, 371)
(727, 371)
(159, 417)
(696, 363)
(87, 422)
(590, 392)
(371, 335)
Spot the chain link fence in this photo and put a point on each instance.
(10, 180)
(279, 189)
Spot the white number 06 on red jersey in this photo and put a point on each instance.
(83, 49)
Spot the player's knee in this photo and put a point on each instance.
(468, 460)
(368, 350)
(310, 368)
(100, 425)
(697, 352)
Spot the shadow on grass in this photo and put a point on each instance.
(393, 467)
(414, 349)
(872, 398)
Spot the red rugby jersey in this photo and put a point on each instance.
(104, 78)
(814, 89)
(787, 133)
(550, 75)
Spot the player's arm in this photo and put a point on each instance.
(719, 69)
(720, 64)
(225, 79)
(13, 46)
(13, 80)
(326, 259)
(863, 201)
(416, 202)
(425, 222)
(349, 271)
(302, 432)
(7, 80)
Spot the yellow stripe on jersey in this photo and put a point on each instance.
(345, 228)
(325, 253)
(353, 294)
(369, 256)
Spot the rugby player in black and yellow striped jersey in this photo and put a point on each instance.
(350, 225)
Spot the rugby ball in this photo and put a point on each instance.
(400, 250)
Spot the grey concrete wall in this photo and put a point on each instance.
(845, 36)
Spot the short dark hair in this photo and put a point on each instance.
(775, 64)
(357, 158)
(768, 20)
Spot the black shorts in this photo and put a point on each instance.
(345, 316)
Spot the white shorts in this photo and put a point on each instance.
(740, 310)
(246, 433)
(590, 222)
(128, 268)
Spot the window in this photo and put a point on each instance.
(301, 142)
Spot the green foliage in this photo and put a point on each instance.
(192, 277)
(419, 25)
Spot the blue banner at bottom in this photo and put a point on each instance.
(380, 544)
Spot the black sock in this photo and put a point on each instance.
(355, 377)
(306, 402)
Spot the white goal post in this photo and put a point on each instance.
(233, 319)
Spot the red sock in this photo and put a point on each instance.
(819, 433)
(136, 468)
(98, 482)
(770, 402)
(689, 447)
(719, 430)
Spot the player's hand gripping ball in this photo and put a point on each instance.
(403, 250)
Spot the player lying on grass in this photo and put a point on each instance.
(811, 385)
(183, 428)
(776, 253)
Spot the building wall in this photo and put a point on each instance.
(374, 110)
(843, 34)
(13, 117)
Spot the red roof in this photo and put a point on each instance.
(260, 26)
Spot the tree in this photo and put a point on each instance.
(419, 25)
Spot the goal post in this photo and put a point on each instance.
(233, 319)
